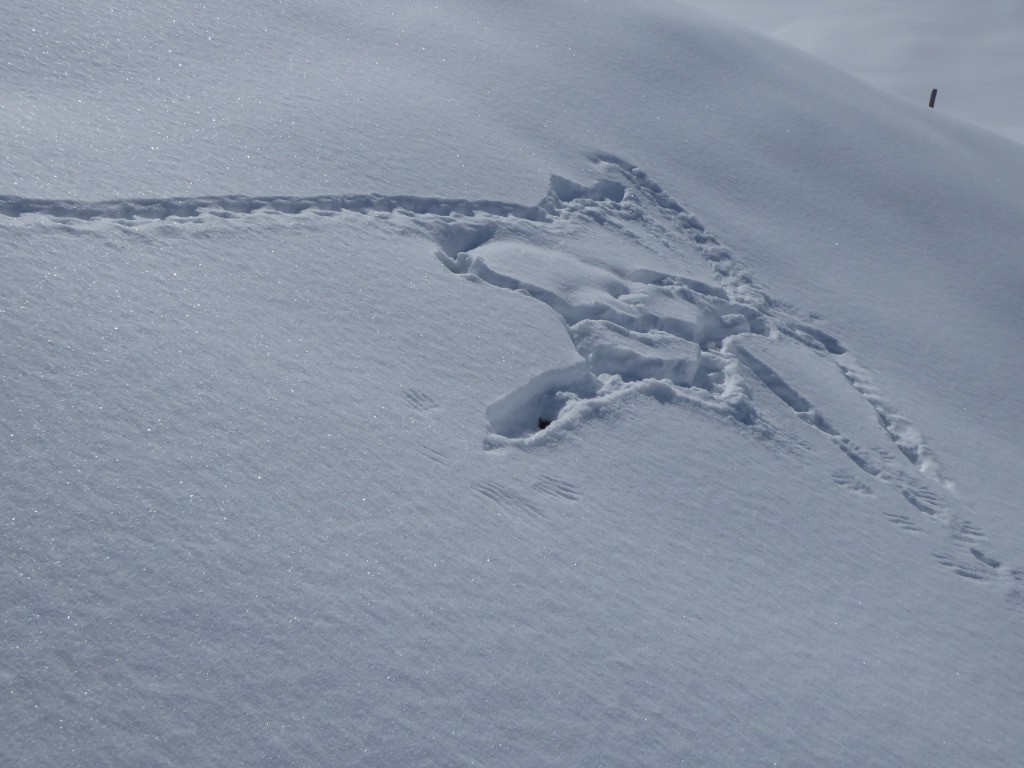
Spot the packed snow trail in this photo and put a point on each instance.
(702, 333)
(226, 206)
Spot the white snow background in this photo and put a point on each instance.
(288, 291)
(970, 51)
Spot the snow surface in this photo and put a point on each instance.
(477, 384)
(970, 51)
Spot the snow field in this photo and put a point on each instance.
(379, 537)
(323, 442)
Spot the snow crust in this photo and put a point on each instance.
(478, 384)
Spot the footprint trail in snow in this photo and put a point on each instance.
(698, 334)
(678, 318)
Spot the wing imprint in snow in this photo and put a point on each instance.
(558, 489)
(420, 401)
(505, 499)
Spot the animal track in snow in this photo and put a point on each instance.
(505, 499)
(647, 325)
(846, 480)
(420, 401)
(978, 565)
(558, 489)
(903, 521)
(907, 439)
(433, 454)
(227, 206)
(966, 532)
(676, 335)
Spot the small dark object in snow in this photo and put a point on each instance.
(543, 423)
(931, 101)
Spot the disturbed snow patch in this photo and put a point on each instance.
(659, 308)
(683, 334)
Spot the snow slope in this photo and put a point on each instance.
(483, 385)
(967, 50)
